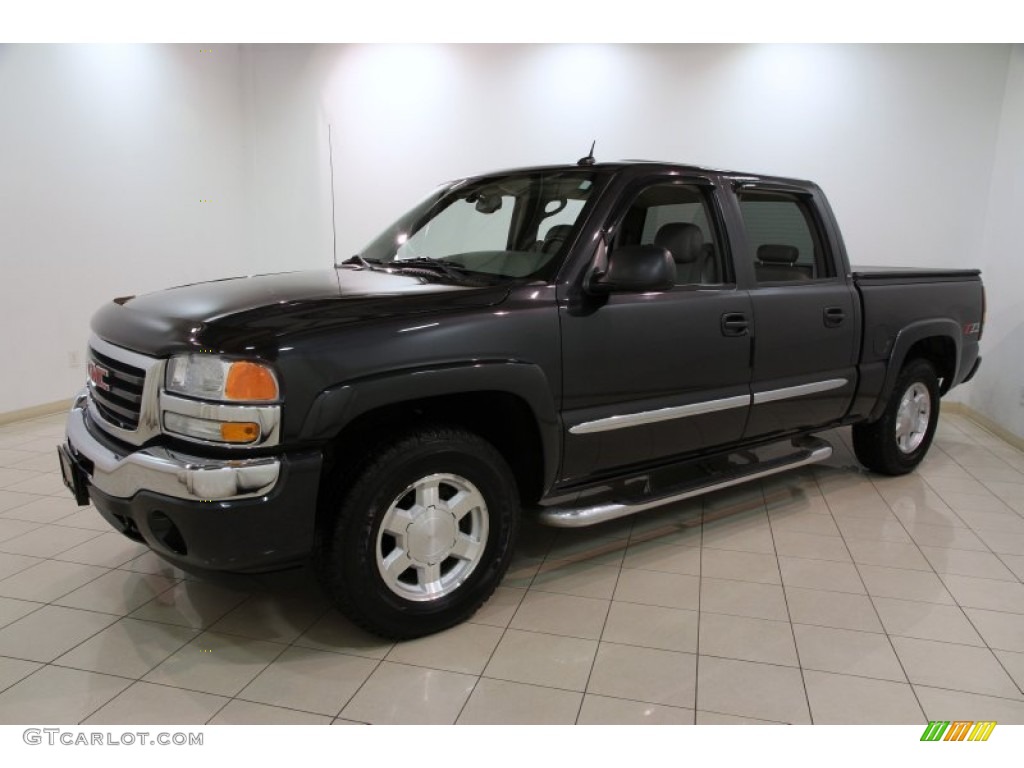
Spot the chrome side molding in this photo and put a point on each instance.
(771, 395)
(661, 414)
(707, 406)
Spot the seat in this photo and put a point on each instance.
(686, 244)
(778, 263)
(555, 238)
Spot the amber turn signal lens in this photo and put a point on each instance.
(250, 381)
(239, 432)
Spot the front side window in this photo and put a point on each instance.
(676, 217)
(784, 242)
(514, 226)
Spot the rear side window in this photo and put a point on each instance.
(785, 245)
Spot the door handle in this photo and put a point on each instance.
(834, 316)
(735, 324)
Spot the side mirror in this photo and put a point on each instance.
(635, 269)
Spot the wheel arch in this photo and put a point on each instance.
(509, 404)
(937, 341)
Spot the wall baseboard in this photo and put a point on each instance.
(984, 421)
(45, 409)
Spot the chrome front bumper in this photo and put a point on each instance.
(166, 472)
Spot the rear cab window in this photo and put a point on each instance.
(784, 237)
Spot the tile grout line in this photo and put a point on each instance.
(104, 629)
(504, 631)
(785, 599)
(604, 626)
(700, 590)
(867, 592)
(52, 663)
(988, 547)
(991, 650)
(287, 647)
(938, 575)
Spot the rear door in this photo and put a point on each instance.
(806, 317)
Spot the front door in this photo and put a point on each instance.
(657, 375)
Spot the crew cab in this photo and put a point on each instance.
(575, 343)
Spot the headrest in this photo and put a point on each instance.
(777, 254)
(682, 240)
(555, 237)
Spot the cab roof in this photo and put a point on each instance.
(650, 165)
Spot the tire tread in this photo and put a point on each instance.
(874, 444)
(341, 497)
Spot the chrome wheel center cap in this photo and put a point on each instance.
(431, 536)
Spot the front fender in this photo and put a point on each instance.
(336, 407)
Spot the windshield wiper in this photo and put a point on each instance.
(359, 261)
(448, 269)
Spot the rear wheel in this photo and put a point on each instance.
(899, 440)
(421, 538)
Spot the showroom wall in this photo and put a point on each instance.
(901, 138)
(115, 148)
(121, 171)
(998, 391)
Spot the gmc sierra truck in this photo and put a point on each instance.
(577, 343)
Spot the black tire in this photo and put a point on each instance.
(354, 543)
(876, 444)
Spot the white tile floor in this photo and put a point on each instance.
(822, 596)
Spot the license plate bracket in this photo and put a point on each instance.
(73, 476)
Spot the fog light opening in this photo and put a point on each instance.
(167, 533)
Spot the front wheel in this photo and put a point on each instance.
(422, 537)
(899, 440)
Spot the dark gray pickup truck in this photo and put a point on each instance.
(577, 343)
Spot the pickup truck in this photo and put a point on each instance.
(576, 342)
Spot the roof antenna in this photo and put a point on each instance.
(589, 159)
(334, 210)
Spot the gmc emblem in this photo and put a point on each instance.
(98, 376)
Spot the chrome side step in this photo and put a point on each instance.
(809, 450)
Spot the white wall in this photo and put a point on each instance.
(105, 154)
(100, 196)
(901, 137)
(998, 390)
(287, 183)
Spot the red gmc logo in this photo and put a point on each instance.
(98, 376)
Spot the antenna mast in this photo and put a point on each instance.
(589, 159)
(334, 226)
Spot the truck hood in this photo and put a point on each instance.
(246, 313)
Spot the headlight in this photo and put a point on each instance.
(214, 378)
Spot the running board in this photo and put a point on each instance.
(808, 450)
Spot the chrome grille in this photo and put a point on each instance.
(116, 389)
(124, 395)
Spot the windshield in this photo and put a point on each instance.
(514, 226)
